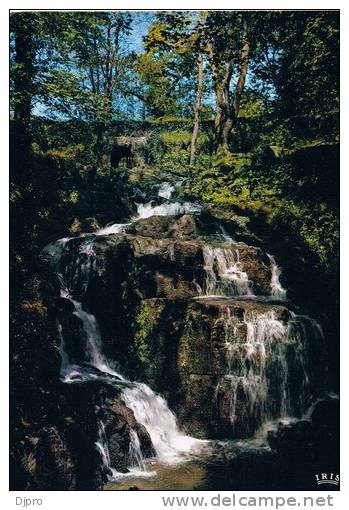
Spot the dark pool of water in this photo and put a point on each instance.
(234, 467)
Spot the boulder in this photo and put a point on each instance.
(325, 414)
(292, 439)
(316, 437)
(119, 421)
(166, 227)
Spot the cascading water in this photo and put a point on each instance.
(136, 461)
(94, 357)
(277, 291)
(166, 190)
(115, 228)
(135, 451)
(102, 447)
(222, 232)
(263, 362)
(224, 273)
(167, 209)
(150, 409)
(148, 209)
(259, 367)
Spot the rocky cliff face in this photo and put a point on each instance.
(219, 360)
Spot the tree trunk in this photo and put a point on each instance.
(227, 127)
(243, 71)
(224, 116)
(200, 88)
(228, 104)
(219, 112)
(197, 108)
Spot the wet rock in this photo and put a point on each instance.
(325, 414)
(292, 438)
(166, 227)
(188, 361)
(168, 267)
(119, 421)
(196, 412)
(316, 437)
(218, 369)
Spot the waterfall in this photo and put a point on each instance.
(102, 447)
(150, 409)
(115, 228)
(224, 234)
(93, 350)
(261, 364)
(224, 273)
(277, 291)
(75, 275)
(148, 209)
(135, 452)
(74, 278)
(136, 462)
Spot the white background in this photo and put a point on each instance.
(130, 500)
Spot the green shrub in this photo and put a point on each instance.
(145, 321)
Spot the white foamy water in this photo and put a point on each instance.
(224, 273)
(135, 454)
(102, 447)
(152, 411)
(167, 209)
(254, 364)
(148, 210)
(166, 190)
(225, 234)
(115, 228)
(93, 351)
(277, 291)
(261, 362)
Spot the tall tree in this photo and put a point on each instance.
(87, 66)
(167, 67)
(228, 48)
(89, 61)
(307, 76)
(22, 29)
(173, 67)
(200, 85)
(298, 60)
